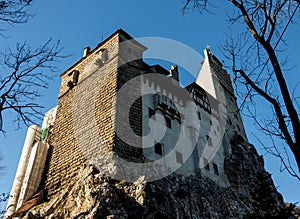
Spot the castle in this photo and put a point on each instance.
(129, 119)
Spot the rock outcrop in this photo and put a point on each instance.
(93, 195)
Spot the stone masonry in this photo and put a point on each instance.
(79, 176)
(108, 77)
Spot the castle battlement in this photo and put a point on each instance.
(129, 119)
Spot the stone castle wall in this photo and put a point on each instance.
(95, 196)
(84, 130)
(85, 135)
(68, 153)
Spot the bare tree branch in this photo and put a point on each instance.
(24, 72)
(284, 160)
(14, 11)
(259, 67)
(200, 6)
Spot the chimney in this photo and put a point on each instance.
(174, 72)
(86, 51)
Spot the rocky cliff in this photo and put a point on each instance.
(93, 195)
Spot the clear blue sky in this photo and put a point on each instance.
(85, 23)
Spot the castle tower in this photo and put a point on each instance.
(223, 120)
(110, 100)
(216, 82)
(87, 107)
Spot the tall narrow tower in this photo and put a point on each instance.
(86, 110)
(216, 81)
(121, 124)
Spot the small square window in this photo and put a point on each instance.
(216, 170)
(206, 164)
(179, 158)
(199, 115)
(104, 55)
(158, 148)
(168, 122)
(209, 141)
(151, 112)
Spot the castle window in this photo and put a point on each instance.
(151, 112)
(201, 99)
(158, 148)
(168, 122)
(75, 76)
(104, 55)
(179, 158)
(210, 122)
(199, 115)
(216, 169)
(206, 164)
(74, 81)
(209, 141)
